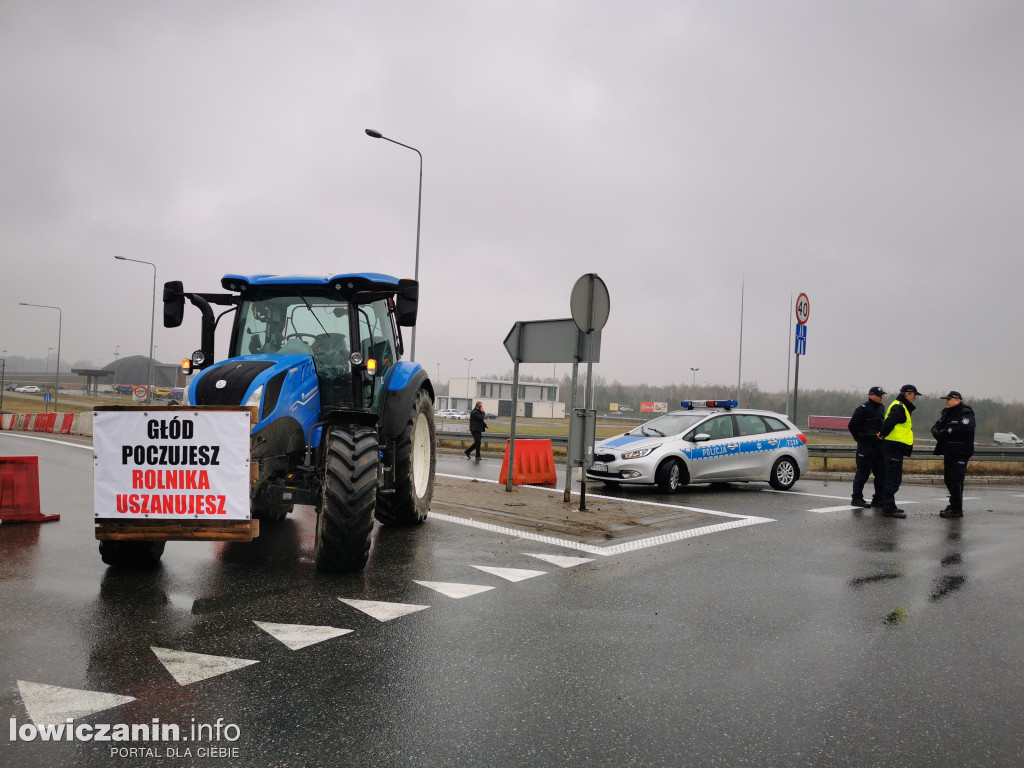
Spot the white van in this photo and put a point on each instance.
(1006, 438)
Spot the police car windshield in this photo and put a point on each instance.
(669, 424)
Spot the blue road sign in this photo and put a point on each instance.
(800, 347)
(48, 398)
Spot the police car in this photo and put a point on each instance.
(708, 441)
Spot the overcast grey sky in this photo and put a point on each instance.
(870, 154)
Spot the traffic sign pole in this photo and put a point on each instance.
(803, 314)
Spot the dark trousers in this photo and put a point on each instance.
(476, 444)
(954, 472)
(894, 454)
(870, 461)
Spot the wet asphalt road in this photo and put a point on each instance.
(825, 638)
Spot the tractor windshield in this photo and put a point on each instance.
(320, 326)
(283, 325)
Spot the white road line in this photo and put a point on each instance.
(616, 549)
(825, 496)
(46, 440)
(801, 493)
(607, 498)
(842, 508)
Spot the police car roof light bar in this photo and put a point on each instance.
(691, 404)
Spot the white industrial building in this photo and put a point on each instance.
(536, 399)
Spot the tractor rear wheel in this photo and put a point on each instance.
(131, 554)
(345, 519)
(415, 463)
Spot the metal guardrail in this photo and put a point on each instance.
(826, 451)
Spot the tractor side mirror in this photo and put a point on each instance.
(174, 304)
(407, 303)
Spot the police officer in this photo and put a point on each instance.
(865, 424)
(897, 436)
(954, 441)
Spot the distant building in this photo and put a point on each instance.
(536, 399)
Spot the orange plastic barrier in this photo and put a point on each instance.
(534, 464)
(19, 490)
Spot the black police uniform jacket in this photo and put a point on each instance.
(866, 422)
(954, 431)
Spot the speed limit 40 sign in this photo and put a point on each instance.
(803, 308)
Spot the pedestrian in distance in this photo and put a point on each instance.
(954, 442)
(477, 425)
(897, 436)
(865, 425)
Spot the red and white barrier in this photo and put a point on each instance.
(52, 423)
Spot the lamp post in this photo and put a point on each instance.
(117, 352)
(3, 376)
(693, 386)
(48, 351)
(469, 364)
(152, 321)
(419, 208)
(60, 323)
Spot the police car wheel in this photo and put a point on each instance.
(670, 476)
(784, 474)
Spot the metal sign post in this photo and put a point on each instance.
(590, 306)
(803, 313)
(573, 341)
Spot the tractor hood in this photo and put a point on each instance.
(258, 380)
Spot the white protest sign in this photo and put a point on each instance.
(171, 465)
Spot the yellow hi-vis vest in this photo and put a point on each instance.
(901, 433)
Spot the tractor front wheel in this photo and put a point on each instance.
(131, 554)
(345, 519)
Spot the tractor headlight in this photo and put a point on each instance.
(198, 358)
(639, 452)
(255, 399)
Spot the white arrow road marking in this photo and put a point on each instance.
(297, 636)
(843, 508)
(510, 574)
(187, 668)
(55, 704)
(383, 611)
(458, 591)
(561, 560)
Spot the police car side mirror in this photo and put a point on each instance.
(703, 437)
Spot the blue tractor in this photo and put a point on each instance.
(343, 423)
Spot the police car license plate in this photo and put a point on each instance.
(598, 466)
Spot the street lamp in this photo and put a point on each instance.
(152, 321)
(469, 363)
(419, 207)
(3, 375)
(60, 323)
(693, 386)
(117, 352)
